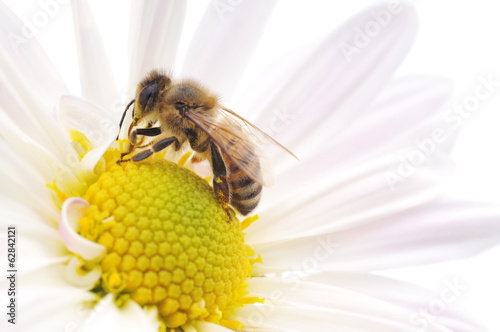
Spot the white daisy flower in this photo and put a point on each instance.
(107, 247)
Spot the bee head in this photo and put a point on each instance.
(147, 94)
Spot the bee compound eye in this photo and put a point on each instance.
(146, 94)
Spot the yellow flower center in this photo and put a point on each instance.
(169, 243)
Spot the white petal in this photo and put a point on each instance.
(22, 182)
(30, 81)
(398, 118)
(306, 318)
(310, 200)
(415, 97)
(414, 299)
(22, 212)
(16, 109)
(327, 295)
(29, 119)
(17, 168)
(88, 118)
(401, 118)
(155, 32)
(325, 92)
(431, 233)
(28, 62)
(39, 242)
(299, 303)
(97, 80)
(106, 317)
(52, 166)
(224, 42)
(72, 210)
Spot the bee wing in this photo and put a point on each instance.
(259, 136)
(241, 142)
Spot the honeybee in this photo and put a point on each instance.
(184, 112)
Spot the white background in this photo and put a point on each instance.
(457, 39)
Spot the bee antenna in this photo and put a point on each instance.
(123, 117)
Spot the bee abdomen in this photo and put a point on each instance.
(245, 193)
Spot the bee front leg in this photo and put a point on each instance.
(142, 132)
(133, 140)
(155, 147)
(221, 188)
(154, 131)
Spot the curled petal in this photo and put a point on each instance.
(74, 275)
(72, 209)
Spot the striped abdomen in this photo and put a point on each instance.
(244, 192)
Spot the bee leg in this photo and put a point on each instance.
(143, 132)
(126, 153)
(164, 143)
(154, 131)
(156, 147)
(221, 188)
(138, 157)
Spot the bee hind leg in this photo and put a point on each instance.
(221, 188)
